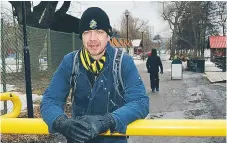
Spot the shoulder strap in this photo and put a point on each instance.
(75, 71)
(117, 71)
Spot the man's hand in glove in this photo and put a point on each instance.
(99, 123)
(77, 131)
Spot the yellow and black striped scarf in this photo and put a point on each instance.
(94, 66)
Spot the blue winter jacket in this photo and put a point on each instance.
(96, 100)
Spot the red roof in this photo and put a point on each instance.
(120, 42)
(217, 41)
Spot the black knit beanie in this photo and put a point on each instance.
(94, 18)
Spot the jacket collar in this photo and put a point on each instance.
(109, 55)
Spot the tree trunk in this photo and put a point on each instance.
(195, 33)
(223, 29)
(173, 47)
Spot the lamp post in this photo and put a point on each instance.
(127, 14)
(27, 65)
(142, 44)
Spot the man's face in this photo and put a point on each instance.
(95, 41)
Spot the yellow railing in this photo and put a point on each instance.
(152, 127)
(16, 104)
(165, 127)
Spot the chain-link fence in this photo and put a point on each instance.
(46, 48)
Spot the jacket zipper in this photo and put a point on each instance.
(89, 104)
(96, 77)
(114, 104)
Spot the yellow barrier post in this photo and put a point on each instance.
(16, 104)
(165, 127)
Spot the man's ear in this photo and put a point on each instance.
(108, 37)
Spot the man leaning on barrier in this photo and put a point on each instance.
(104, 95)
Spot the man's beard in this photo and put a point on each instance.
(98, 53)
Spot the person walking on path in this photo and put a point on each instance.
(153, 63)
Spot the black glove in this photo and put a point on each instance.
(77, 131)
(99, 123)
(161, 72)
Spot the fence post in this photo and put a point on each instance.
(49, 63)
(3, 74)
(73, 39)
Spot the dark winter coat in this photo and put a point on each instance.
(154, 62)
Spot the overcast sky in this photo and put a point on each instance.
(144, 10)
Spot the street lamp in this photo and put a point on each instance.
(27, 65)
(142, 45)
(127, 14)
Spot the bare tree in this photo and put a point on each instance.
(194, 25)
(190, 22)
(135, 26)
(173, 12)
(221, 15)
(148, 45)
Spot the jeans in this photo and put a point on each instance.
(154, 79)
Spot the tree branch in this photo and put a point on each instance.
(184, 39)
(38, 10)
(64, 8)
(48, 14)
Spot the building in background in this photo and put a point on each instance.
(123, 44)
(136, 43)
(217, 46)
